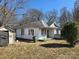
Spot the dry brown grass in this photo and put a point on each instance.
(38, 50)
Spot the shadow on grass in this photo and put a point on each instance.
(56, 45)
(25, 40)
(58, 38)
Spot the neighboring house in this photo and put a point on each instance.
(37, 28)
(7, 35)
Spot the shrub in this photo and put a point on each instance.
(70, 32)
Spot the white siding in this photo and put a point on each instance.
(55, 32)
(27, 36)
(26, 31)
(37, 33)
(40, 36)
(59, 31)
(18, 33)
(11, 37)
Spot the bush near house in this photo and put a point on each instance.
(70, 32)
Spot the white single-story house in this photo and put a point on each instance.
(39, 29)
(10, 33)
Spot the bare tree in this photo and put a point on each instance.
(8, 9)
(76, 11)
(34, 15)
(51, 17)
(65, 16)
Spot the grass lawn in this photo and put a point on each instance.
(51, 49)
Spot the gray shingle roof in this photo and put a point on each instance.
(36, 24)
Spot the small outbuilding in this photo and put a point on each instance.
(7, 36)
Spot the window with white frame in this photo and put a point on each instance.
(43, 32)
(22, 31)
(31, 32)
(57, 31)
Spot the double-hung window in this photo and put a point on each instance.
(22, 31)
(31, 32)
(43, 32)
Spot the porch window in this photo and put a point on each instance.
(43, 32)
(31, 32)
(57, 31)
(22, 31)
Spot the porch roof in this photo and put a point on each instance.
(48, 28)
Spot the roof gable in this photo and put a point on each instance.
(44, 23)
(53, 25)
